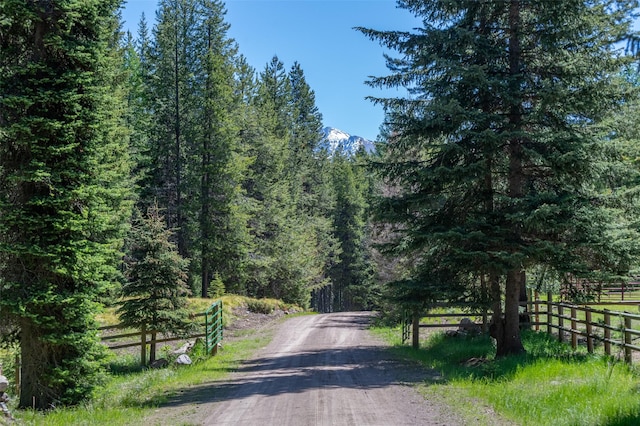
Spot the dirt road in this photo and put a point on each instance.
(321, 370)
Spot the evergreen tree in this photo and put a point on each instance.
(154, 297)
(352, 276)
(283, 257)
(245, 92)
(140, 119)
(174, 66)
(63, 187)
(222, 220)
(311, 185)
(199, 163)
(138, 116)
(494, 152)
(266, 187)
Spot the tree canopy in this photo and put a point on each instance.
(495, 153)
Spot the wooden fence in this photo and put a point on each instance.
(140, 338)
(213, 336)
(612, 332)
(591, 327)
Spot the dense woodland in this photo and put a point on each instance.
(152, 166)
(136, 169)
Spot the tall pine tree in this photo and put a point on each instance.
(285, 259)
(137, 63)
(495, 150)
(174, 94)
(352, 275)
(311, 186)
(267, 189)
(63, 187)
(222, 236)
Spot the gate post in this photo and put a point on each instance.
(416, 331)
(628, 355)
(607, 332)
(143, 346)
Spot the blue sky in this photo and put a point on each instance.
(318, 34)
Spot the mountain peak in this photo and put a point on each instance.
(337, 140)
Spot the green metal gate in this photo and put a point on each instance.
(213, 327)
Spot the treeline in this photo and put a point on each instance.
(111, 144)
(230, 156)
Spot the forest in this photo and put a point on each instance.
(163, 159)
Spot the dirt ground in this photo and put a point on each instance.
(244, 320)
(318, 370)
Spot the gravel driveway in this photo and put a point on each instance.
(318, 370)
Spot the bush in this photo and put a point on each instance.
(261, 306)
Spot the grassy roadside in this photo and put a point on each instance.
(132, 394)
(550, 385)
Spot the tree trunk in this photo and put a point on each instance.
(178, 148)
(507, 333)
(205, 221)
(509, 341)
(495, 294)
(34, 393)
(152, 347)
(205, 195)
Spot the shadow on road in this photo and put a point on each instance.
(360, 367)
(363, 368)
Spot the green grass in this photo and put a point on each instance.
(132, 394)
(549, 385)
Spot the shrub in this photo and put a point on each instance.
(260, 306)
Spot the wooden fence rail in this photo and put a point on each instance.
(594, 326)
(576, 324)
(142, 339)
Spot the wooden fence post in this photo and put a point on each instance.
(574, 327)
(627, 340)
(589, 330)
(607, 332)
(549, 314)
(152, 347)
(536, 308)
(415, 335)
(560, 323)
(143, 346)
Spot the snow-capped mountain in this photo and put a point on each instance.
(337, 140)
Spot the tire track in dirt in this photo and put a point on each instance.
(318, 370)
